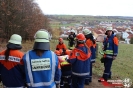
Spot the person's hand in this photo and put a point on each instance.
(114, 57)
(102, 60)
(57, 85)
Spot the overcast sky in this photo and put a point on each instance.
(87, 7)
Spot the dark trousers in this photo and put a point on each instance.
(89, 78)
(78, 82)
(0, 78)
(66, 79)
(107, 70)
(66, 82)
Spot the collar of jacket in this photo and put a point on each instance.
(13, 46)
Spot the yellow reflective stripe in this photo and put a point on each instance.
(101, 52)
(71, 47)
(64, 63)
(108, 52)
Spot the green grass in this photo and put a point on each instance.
(58, 25)
(76, 19)
(87, 18)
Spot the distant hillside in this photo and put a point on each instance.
(79, 18)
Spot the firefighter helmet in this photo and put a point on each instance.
(86, 31)
(109, 28)
(41, 36)
(72, 31)
(42, 40)
(15, 39)
(80, 37)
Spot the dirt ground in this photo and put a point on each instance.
(1, 85)
(94, 83)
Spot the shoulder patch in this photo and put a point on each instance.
(77, 54)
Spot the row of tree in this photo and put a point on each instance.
(23, 17)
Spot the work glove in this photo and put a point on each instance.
(102, 60)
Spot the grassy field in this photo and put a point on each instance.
(121, 68)
(71, 20)
(87, 18)
(58, 25)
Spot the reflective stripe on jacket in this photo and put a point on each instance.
(111, 46)
(12, 71)
(42, 71)
(80, 60)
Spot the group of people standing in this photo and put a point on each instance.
(82, 48)
(83, 54)
(41, 67)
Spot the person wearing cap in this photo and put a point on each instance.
(110, 51)
(90, 42)
(11, 64)
(80, 60)
(41, 64)
(71, 39)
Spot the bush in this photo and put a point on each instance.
(56, 35)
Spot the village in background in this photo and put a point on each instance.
(122, 26)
